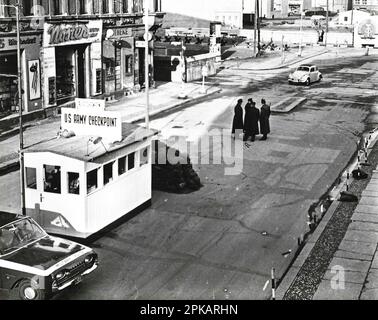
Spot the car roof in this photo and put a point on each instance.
(7, 217)
(307, 65)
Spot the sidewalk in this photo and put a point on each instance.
(242, 58)
(340, 259)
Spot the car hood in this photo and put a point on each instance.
(44, 253)
(299, 74)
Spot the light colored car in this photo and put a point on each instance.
(305, 74)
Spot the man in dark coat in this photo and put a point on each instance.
(251, 121)
(237, 123)
(264, 120)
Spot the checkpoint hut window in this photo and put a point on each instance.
(131, 161)
(52, 179)
(31, 178)
(144, 156)
(122, 165)
(108, 173)
(92, 183)
(73, 183)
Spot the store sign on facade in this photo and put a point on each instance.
(84, 122)
(10, 43)
(72, 33)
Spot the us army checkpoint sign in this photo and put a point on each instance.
(84, 122)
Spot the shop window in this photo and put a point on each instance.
(73, 183)
(144, 157)
(96, 6)
(7, 11)
(131, 161)
(108, 173)
(138, 6)
(92, 183)
(129, 65)
(121, 166)
(117, 6)
(52, 179)
(31, 178)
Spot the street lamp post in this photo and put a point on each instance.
(147, 65)
(19, 94)
(327, 18)
(301, 37)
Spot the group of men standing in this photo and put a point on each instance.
(255, 121)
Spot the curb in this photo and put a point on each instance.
(284, 65)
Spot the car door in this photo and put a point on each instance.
(313, 74)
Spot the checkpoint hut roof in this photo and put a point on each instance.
(81, 147)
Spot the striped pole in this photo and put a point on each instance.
(273, 285)
(366, 156)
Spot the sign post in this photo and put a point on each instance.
(205, 73)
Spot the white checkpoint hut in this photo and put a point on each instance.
(76, 185)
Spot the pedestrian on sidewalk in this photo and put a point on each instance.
(237, 124)
(251, 121)
(264, 120)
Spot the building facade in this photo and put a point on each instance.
(225, 11)
(370, 5)
(73, 49)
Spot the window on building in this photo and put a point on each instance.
(71, 4)
(52, 179)
(73, 183)
(105, 6)
(345, 19)
(117, 6)
(31, 178)
(57, 7)
(108, 173)
(125, 6)
(92, 183)
(121, 165)
(137, 6)
(364, 2)
(131, 161)
(96, 6)
(144, 156)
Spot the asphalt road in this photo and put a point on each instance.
(222, 241)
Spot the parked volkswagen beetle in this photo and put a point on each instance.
(305, 74)
(35, 265)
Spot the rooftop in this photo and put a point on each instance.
(81, 147)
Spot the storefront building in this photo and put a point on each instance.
(74, 49)
(31, 72)
(71, 61)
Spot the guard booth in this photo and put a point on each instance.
(95, 172)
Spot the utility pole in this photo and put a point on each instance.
(352, 22)
(258, 25)
(147, 64)
(327, 17)
(255, 30)
(19, 83)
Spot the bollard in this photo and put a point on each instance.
(273, 285)
(347, 182)
(366, 156)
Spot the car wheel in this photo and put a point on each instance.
(26, 291)
(308, 82)
(320, 78)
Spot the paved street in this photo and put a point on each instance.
(221, 241)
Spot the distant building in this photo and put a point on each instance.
(370, 5)
(225, 11)
(347, 18)
(333, 5)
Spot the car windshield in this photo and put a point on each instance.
(303, 69)
(19, 234)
